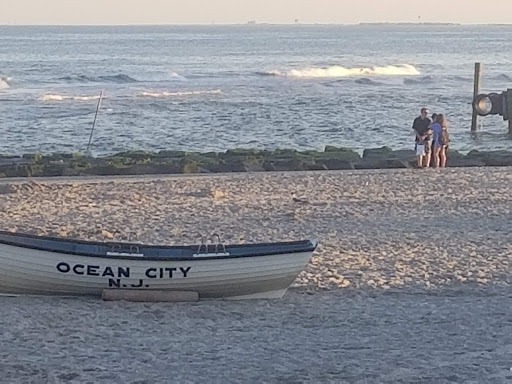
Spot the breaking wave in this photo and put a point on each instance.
(175, 75)
(179, 93)
(4, 82)
(117, 79)
(59, 97)
(122, 78)
(160, 76)
(56, 97)
(339, 71)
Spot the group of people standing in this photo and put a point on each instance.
(432, 139)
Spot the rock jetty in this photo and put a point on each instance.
(233, 160)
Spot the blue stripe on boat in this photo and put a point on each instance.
(149, 252)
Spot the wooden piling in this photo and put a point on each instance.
(476, 92)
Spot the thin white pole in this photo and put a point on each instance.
(94, 122)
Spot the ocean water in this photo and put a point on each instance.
(210, 88)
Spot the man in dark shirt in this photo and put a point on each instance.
(421, 127)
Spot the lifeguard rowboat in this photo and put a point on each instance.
(40, 265)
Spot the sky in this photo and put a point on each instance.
(86, 12)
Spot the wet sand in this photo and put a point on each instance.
(410, 282)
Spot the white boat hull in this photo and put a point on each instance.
(40, 272)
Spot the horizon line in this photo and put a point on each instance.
(253, 24)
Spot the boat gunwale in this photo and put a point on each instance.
(309, 245)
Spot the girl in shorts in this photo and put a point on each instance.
(441, 138)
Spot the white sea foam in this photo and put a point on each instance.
(86, 98)
(179, 93)
(177, 76)
(4, 82)
(160, 76)
(339, 71)
(57, 97)
(53, 98)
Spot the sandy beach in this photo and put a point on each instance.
(410, 283)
